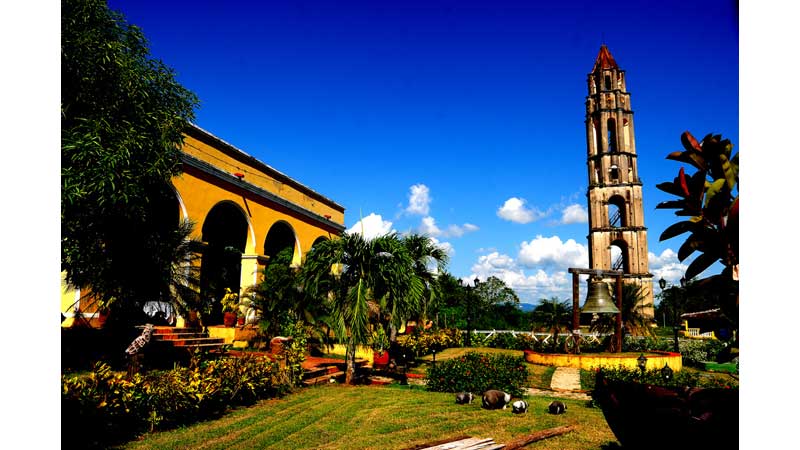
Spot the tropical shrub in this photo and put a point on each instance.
(645, 344)
(502, 340)
(420, 344)
(696, 351)
(116, 409)
(683, 378)
(477, 373)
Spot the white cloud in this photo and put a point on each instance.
(551, 252)
(419, 200)
(574, 213)
(666, 266)
(514, 210)
(529, 288)
(458, 231)
(446, 246)
(373, 226)
(428, 226)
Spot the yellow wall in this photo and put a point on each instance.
(655, 360)
(208, 179)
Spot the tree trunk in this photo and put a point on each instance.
(351, 361)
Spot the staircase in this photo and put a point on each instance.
(189, 339)
(322, 375)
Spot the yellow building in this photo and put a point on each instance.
(244, 212)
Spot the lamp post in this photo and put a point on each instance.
(470, 300)
(677, 299)
(641, 361)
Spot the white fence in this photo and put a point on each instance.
(544, 337)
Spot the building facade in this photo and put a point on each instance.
(244, 212)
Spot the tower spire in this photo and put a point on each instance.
(604, 60)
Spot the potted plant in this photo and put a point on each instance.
(379, 342)
(230, 307)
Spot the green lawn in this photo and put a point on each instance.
(379, 417)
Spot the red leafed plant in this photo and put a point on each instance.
(710, 200)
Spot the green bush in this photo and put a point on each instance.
(420, 344)
(683, 378)
(115, 408)
(477, 372)
(695, 351)
(645, 344)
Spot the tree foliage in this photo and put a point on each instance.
(553, 314)
(122, 118)
(710, 200)
(349, 273)
(494, 291)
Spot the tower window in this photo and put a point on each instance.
(611, 127)
(614, 171)
(608, 81)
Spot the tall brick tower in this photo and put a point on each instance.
(616, 216)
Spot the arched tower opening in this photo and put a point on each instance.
(619, 256)
(617, 215)
(611, 128)
(225, 236)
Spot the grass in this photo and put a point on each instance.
(379, 417)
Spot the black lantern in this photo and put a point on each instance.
(666, 372)
(662, 283)
(641, 361)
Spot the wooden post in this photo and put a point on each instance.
(576, 310)
(618, 327)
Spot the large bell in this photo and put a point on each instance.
(598, 299)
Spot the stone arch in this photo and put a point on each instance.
(617, 212)
(224, 234)
(280, 236)
(318, 240)
(619, 256)
(182, 211)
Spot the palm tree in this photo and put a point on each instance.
(634, 318)
(553, 313)
(351, 271)
(430, 260)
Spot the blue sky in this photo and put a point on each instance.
(460, 119)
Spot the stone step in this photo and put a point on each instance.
(174, 336)
(320, 371)
(172, 330)
(193, 341)
(323, 379)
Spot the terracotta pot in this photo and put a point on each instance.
(380, 360)
(229, 319)
(240, 321)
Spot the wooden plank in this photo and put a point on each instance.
(538, 436)
(463, 444)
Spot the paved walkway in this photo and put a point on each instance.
(566, 383)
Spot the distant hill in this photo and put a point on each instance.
(527, 307)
